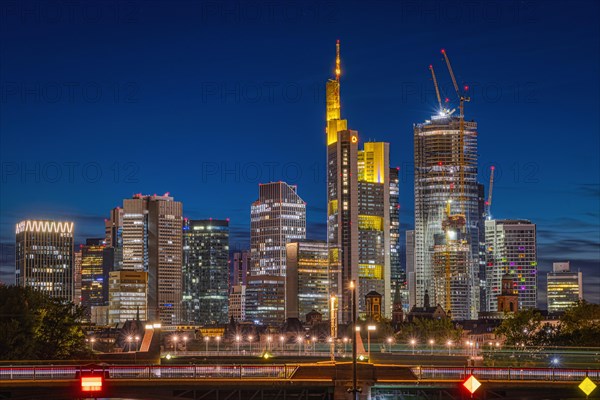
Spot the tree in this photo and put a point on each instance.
(580, 325)
(439, 330)
(522, 328)
(34, 326)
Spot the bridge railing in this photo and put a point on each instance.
(505, 374)
(151, 372)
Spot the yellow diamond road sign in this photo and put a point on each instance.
(472, 384)
(587, 386)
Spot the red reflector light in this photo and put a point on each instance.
(91, 383)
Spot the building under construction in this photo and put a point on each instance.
(446, 177)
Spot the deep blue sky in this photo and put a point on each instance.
(205, 100)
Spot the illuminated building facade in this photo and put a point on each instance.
(95, 267)
(411, 280)
(564, 287)
(77, 277)
(307, 279)
(277, 218)
(511, 248)
(113, 236)
(241, 263)
(206, 271)
(127, 296)
(445, 170)
(44, 257)
(374, 262)
(237, 303)
(152, 238)
(397, 273)
(342, 199)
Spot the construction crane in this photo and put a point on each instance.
(437, 89)
(461, 120)
(488, 203)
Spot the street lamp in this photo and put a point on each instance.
(299, 345)
(269, 338)
(431, 343)
(314, 340)
(175, 338)
(237, 339)
(250, 341)
(92, 340)
(185, 339)
(281, 340)
(370, 328)
(206, 339)
(449, 344)
(412, 343)
(218, 339)
(390, 340)
(129, 339)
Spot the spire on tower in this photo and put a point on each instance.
(338, 69)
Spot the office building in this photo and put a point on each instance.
(564, 287)
(127, 296)
(206, 271)
(237, 303)
(277, 218)
(511, 248)
(240, 268)
(397, 273)
(95, 267)
(307, 279)
(44, 257)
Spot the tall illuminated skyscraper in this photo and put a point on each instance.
(206, 271)
(374, 249)
(277, 218)
(44, 257)
(511, 249)
(95, 267)
(152, 242)
(342, 198)
(113, 237)
(397, 273)
(440, 178)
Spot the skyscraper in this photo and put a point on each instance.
(77, 277)
(113, 236)
(277, 218)
(307, 278)
(397, 273)
(206, 271)
(446, 171)
(511, 248)
(342, 198)
(240, 268)
(44, 257)
(152, 242)
(411, 279)
(374, 220)
(95, 268)
(127, 296)
(564, 287)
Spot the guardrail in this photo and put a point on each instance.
(274, 372)
(505, 374)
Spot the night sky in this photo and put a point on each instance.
(207, 99)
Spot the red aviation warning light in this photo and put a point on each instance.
(91, 384)
(471, 384)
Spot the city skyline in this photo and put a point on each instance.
(527, 175)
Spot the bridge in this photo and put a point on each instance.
(289, 381)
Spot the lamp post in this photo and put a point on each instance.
(412, 343)
(185, 339)
(269, 338)
(92, 340)
(449, 344)
(345, 340)
(250, 338)
(175, 338)
(218, 339)
(370, 328)
(299, 345)
(237, 339)
(431, 343)
(314, 341)
(389, 340)
(206, 339)
(129, 339)
(281, 340)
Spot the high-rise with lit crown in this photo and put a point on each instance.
(277, 218)
(342, 198)
(44, 257)
(206, 271)
(564, 287)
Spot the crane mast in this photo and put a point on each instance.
(437, 89)
(488, 203)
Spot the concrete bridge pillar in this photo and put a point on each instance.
(340, 391)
